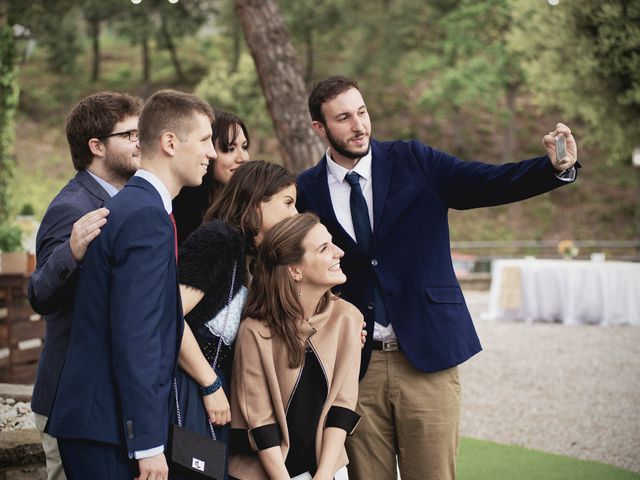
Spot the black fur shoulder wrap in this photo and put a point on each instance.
(206, 261)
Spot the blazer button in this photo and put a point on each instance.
(129, 423)
(371, 305)
(374, 262)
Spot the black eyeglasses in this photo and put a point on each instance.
(131, 134)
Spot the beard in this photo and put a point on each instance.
(121, 166)
(343, 149)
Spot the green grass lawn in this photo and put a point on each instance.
(482, 460)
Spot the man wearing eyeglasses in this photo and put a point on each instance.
(102, 131)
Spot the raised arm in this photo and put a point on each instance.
(467, 184)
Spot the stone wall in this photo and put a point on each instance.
(21, 455)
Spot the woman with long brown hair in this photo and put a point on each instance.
(295, 372)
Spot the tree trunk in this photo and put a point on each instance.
(146, 67)
(281, 81)
(510, 126)
(235, 59)
(94, 25)
(4, 12)
(309, 70)
(168, 40)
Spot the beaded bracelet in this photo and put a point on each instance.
(213, 388)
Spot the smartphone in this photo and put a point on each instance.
(561, 148)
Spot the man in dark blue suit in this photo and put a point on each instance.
(102, 131)
(386, 205)
(111, 411)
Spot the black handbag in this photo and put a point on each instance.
(195, 456)
(192, 455)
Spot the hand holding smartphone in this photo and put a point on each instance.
(561, 149)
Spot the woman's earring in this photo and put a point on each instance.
(300, 290)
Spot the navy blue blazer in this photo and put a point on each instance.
(414, 186)
(52, 285)
(126, 329)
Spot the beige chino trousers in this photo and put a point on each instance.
(408, 414)
(51, 452)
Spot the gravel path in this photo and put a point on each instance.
(571, 390)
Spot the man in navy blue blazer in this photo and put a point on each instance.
(102, 132)
(386, 206)
(111, 410)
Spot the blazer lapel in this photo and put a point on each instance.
(85, 179)
(381, 167)
(320, 185)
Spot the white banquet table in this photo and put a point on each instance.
(567, 291)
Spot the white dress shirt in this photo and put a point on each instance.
(340, 192)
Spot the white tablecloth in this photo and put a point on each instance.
(569, 291)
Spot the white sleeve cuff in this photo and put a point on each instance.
(151, 452)
(568, 175)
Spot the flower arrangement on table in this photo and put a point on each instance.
(567, 249)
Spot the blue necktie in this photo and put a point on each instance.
(359, 213)
(364, 237)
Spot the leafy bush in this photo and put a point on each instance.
(10, 238)
(27, 209)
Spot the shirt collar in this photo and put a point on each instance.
(362, 168)
(159, 186)
(110, 189)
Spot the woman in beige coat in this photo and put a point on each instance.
(297, 357)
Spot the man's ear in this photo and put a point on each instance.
(295, 272)
(318, 127)
(98, 149)
(168, 143)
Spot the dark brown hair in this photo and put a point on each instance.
(325, 90)
(94, 117)
(273, 296)
(169, 111)
(226, 129)
(239, 201)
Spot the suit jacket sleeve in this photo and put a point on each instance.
(53, 282)
(143, 252)
(464, 185)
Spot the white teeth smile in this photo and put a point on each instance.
(334, 268)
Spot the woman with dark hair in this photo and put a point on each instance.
(212, 259)
(297, 358)
(231, 141)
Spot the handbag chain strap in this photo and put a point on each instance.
(215, 359)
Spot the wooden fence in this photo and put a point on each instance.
(21, 331)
